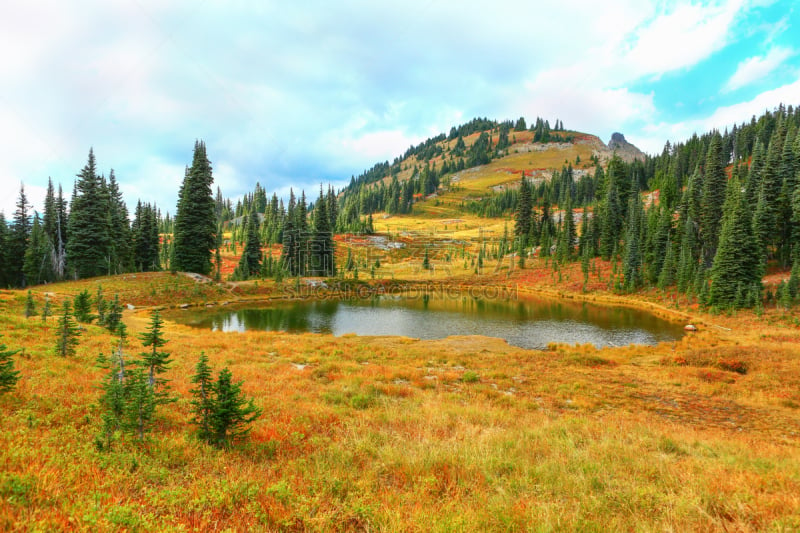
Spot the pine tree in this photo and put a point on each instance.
(195, 222)
(46, 310)
(120, 253)
(522, 220)
(155, 361)
(322, 252)
(4, 261)
(632, 265)
(714, 184)
(250, 262)
(232, 413)
(303, 234)
(332, 208)
(203, 400)
(68, 332)
(112, 401)
(101, 305)
(37, 266)
(8, 376)
(140, 403)
(289, 253)
(567, 237)
(88, 231)
(113, 316)
(17, 242)
(30, 306)
(54, 224)
(83, 307)
(736, 263)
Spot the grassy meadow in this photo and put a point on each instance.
(397, 434)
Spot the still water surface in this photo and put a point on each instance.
(527, 323)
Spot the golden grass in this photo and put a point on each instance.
(395, 434)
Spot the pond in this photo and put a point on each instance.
(529, 323)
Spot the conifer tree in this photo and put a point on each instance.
(203, 400)
(567, 237)
(67, 332)
(332, 208)
(46, 310)
(120, 253)
(632, 265)
(113, 316)
(522, 220)
(232, 412)
(54, 224)
(303, 234)
(322, 252)
(195, 222)
(30, 306)
(289, 253)
(37, 265)
(113, 398)
(83, 307)
(88, 230)
(250, 262)
(101, 305)
(736, 263)
(8, 376)
(4, 278)
(17, 242)
(713, 197)
(155, 361)
(140, 403)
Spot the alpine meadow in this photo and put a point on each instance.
(509, 325)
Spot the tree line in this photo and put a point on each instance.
(92, 235)
(707, 216)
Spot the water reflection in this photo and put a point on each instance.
(529, 323)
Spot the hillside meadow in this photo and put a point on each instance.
(397, 434)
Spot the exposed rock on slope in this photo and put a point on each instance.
(624, 149)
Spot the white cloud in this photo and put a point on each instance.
(295, 93)
(757, 68)
(680, 38)
(655, 135)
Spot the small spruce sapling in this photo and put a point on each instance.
(30, 306)
(83, 307)
(46, 310)
(155, 361)
(68, 332)
(8, 376)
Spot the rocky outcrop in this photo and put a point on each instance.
(623, 148)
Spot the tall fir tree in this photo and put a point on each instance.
(88, 231)
(522, 220)
(633, 261)
(195, 222)
(289, 254)
(17, 241)
(4, 252)
(37, 265)
(713, 196)
(736, 263)
(322, 252)
(120, 253)
(250, 262)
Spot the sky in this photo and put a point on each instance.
(294, 94)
